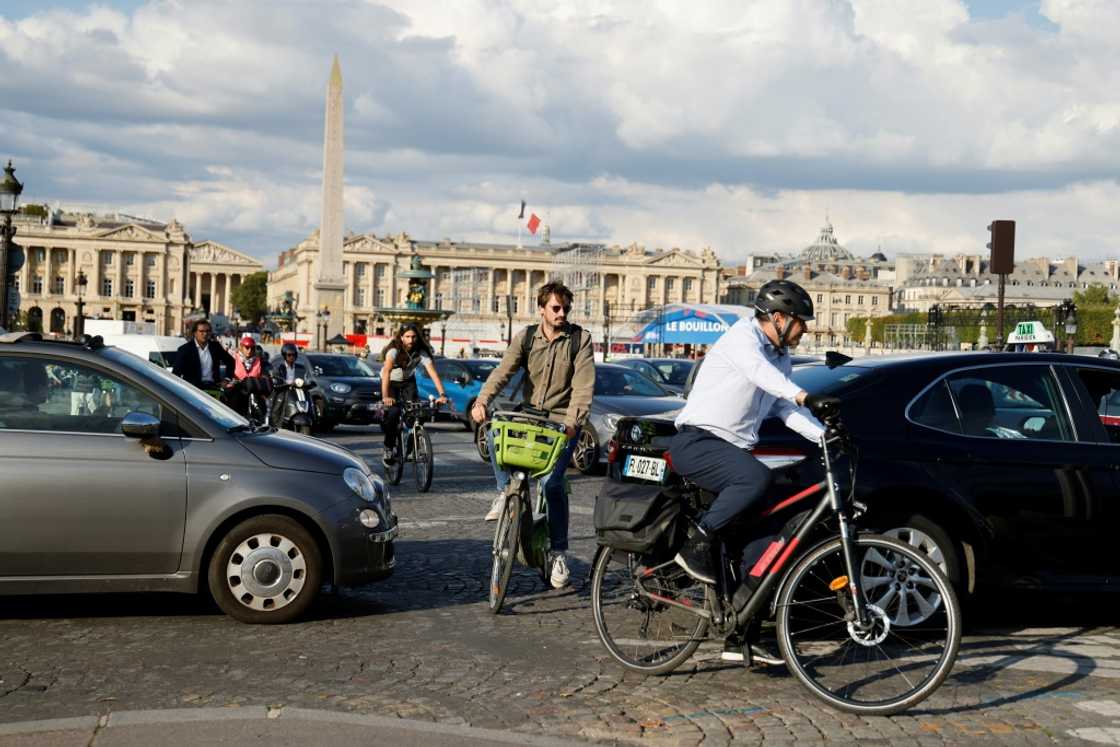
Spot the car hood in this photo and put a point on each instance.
(630, 405)
(287, 450)
(354, 381)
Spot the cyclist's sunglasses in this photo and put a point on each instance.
(557, 307)
(290, 355)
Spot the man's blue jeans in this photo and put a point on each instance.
(553, 487)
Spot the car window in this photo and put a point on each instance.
(1010, 402)
(223, 415)
(512, 389)
(342, 365)
(1104, 393)
(448, 370)
(935, 409)
(481, 369)
(620, 382)
(39, 394)
(674, 372)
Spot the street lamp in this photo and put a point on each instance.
(323, 318)
(80, 321)
(11, 258)
(1071, 326)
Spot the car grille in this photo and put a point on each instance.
(366, 395)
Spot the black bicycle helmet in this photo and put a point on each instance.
(784, 296)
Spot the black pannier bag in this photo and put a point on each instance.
(634, 517)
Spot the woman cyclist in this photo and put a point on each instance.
(407, 350)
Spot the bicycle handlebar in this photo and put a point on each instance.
(526, 417)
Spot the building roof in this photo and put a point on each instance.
(826, 248)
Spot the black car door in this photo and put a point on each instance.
(1025, 472)
(1095, 404)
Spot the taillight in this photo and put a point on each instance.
(668, 461)
(776, 457)
(612, 451)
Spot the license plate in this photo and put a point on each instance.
(644, 468)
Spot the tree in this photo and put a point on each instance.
(251, 297)
(1094, 295)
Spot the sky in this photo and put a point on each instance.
(736, 125)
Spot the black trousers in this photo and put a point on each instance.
(391, 420)
(739, 479)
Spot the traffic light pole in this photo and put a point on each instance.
(1000, 338)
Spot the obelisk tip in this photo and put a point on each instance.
(336, 72)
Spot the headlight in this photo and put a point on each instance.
(340, 388)
(360, 483)
(611, 421)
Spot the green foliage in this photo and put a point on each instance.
(1094, 295)
(250, 298)
(37, 211)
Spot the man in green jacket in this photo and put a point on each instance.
(559, 379)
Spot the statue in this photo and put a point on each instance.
(417, 292)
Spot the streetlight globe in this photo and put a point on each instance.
(10, 189)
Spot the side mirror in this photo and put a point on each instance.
(140, 425)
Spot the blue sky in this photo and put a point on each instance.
(735, 124)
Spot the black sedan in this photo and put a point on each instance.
(347, 390)
(1001, 466)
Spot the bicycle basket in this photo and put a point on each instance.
(526, 445)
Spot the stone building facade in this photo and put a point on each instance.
(135, 270)
(842, 286)
(474, 279)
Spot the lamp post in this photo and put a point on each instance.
(11, 259)
(1071, 327)
(80, 320)
(322, 320)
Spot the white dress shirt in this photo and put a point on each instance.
(744, 379)
(205, 363)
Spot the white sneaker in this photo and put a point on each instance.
(496, 508)
(560, 573)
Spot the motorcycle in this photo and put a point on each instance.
(291, 407)
(249, 397)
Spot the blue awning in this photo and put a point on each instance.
(682, 324)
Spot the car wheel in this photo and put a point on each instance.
(481, 443)
(585, 458)
(926, 535)
(267, 569)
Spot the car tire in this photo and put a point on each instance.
(286, 564)
(918, 530)
(585, 457)
(480, 442)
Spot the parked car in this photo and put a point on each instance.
(1001, 466)
(619, 392)
(671, 373)
(347, 390)
(462, 380)
(119, 476)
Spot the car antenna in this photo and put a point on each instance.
(832, 359)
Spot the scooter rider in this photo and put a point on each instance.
(248, 375)
(288, 368)
(744, 380)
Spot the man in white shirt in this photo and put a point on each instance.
(743, 381)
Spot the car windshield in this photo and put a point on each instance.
(621, 382)
(222, 415)
(674, 372)
(481, 369)
(339, 365)
(820, 379)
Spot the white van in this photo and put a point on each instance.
(158, 349)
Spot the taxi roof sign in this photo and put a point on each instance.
(1030, 332)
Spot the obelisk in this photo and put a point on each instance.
(330, 284)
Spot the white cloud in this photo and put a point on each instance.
(734, 124)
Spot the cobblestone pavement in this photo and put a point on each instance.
(423, 645)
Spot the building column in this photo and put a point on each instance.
(530, 296)
(489, 308)
(213, 288)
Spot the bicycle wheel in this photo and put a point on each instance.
(422, 459)
(395, 471)
(504, 551)
(641, 633)
(885, 668)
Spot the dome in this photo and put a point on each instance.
(826, 248)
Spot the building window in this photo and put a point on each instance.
(106, 287)
(171, 287)
(847, 299)
(150, 289)
(379, 271)
(150, 260)
(439, 302)
(129, 287)
(688, 285)
(670, 283)
(129, 259)
(587, 307)
(476, 304)
(820, 298)
(494, 305)
(515, 304)
(652, 283)
(380, 294)
(359, 297)
(37, 285)
(59, 285)
(40, 255)
(874, 300)
(106, 258)
(859, 300)
(832, 323)
(360, 269)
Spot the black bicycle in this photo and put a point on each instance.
(414, 444)
(840, 606)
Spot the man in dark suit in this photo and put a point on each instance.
(200, 359)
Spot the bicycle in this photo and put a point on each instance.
(529, 445)
(840, 606)
(417, 444)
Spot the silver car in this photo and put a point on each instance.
(118, 476)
